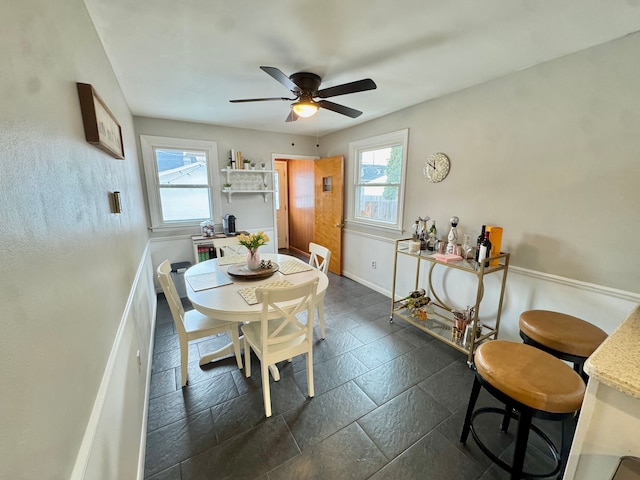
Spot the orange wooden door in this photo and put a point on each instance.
(301, 204)
(328, 176)
(282, 203)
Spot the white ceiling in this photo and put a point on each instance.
(186, 59)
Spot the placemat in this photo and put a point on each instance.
(204, 281)
(231, 259)
(249, 294)
(292, 266)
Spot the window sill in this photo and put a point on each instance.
(393, 229)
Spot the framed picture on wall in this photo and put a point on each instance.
(100, 126)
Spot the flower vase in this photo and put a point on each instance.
(253, 260)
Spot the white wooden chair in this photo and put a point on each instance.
(319, 258)
(280, 335)
(193, 325)
(228, 246)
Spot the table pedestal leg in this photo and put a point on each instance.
(275, 373)
(222, 352)
(228, 350)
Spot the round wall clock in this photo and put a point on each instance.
(436, 168)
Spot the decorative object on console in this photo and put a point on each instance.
(453, 236)
(496, 242)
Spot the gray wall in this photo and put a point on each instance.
(251, 210)
(68, 263)
(550, 153)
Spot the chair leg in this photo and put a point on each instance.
(320, 309)
(184, 361)
(247, 358)
(235, 339)
(475, 392)
(310, 388)
(266, 392)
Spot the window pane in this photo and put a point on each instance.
(181, 204)
(381, 165)
(378, 203)
(179, 167)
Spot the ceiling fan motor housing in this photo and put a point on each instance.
(307, 82)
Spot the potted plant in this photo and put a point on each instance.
(253, 165)
(246, 163)
(263, 165)
(226, 187)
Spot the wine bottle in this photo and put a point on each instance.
(485, 250)
(415, 294)
(433, 237)
(480, 240)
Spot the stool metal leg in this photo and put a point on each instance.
(506, 419)
(475, 392)
(567, 434)
(524, 424)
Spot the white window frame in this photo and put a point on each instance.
(372, 143)
(148, 144)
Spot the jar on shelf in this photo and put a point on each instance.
(206, 228)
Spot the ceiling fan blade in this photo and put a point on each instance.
(349, 112)
(261, 99)
(292, 117)
(280, 77)
(351, 87)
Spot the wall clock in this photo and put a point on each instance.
(436, 168)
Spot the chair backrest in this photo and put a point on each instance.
(280, 306)
(320, 257)
(228, 246)
(171, 294)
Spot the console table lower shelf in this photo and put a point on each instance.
(440, 325)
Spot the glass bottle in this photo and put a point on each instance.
(415, 231)
(479, 242)
(485, 249)
(467, 249)
(433, 237)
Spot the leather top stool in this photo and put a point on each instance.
(564, 336)
(530, 383)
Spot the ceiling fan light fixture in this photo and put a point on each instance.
(304, 108)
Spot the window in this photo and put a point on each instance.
(378, 187)
(180, 175)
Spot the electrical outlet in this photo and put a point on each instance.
(373, 264)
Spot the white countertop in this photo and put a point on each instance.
(616, 362)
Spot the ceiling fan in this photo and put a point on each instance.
(304, 86)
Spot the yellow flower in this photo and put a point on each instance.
(254, 240)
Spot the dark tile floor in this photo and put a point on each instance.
(389, 404)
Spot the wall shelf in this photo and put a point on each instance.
(248, 182)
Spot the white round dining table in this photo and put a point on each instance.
(225, 302)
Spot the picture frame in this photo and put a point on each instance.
(100, 126)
